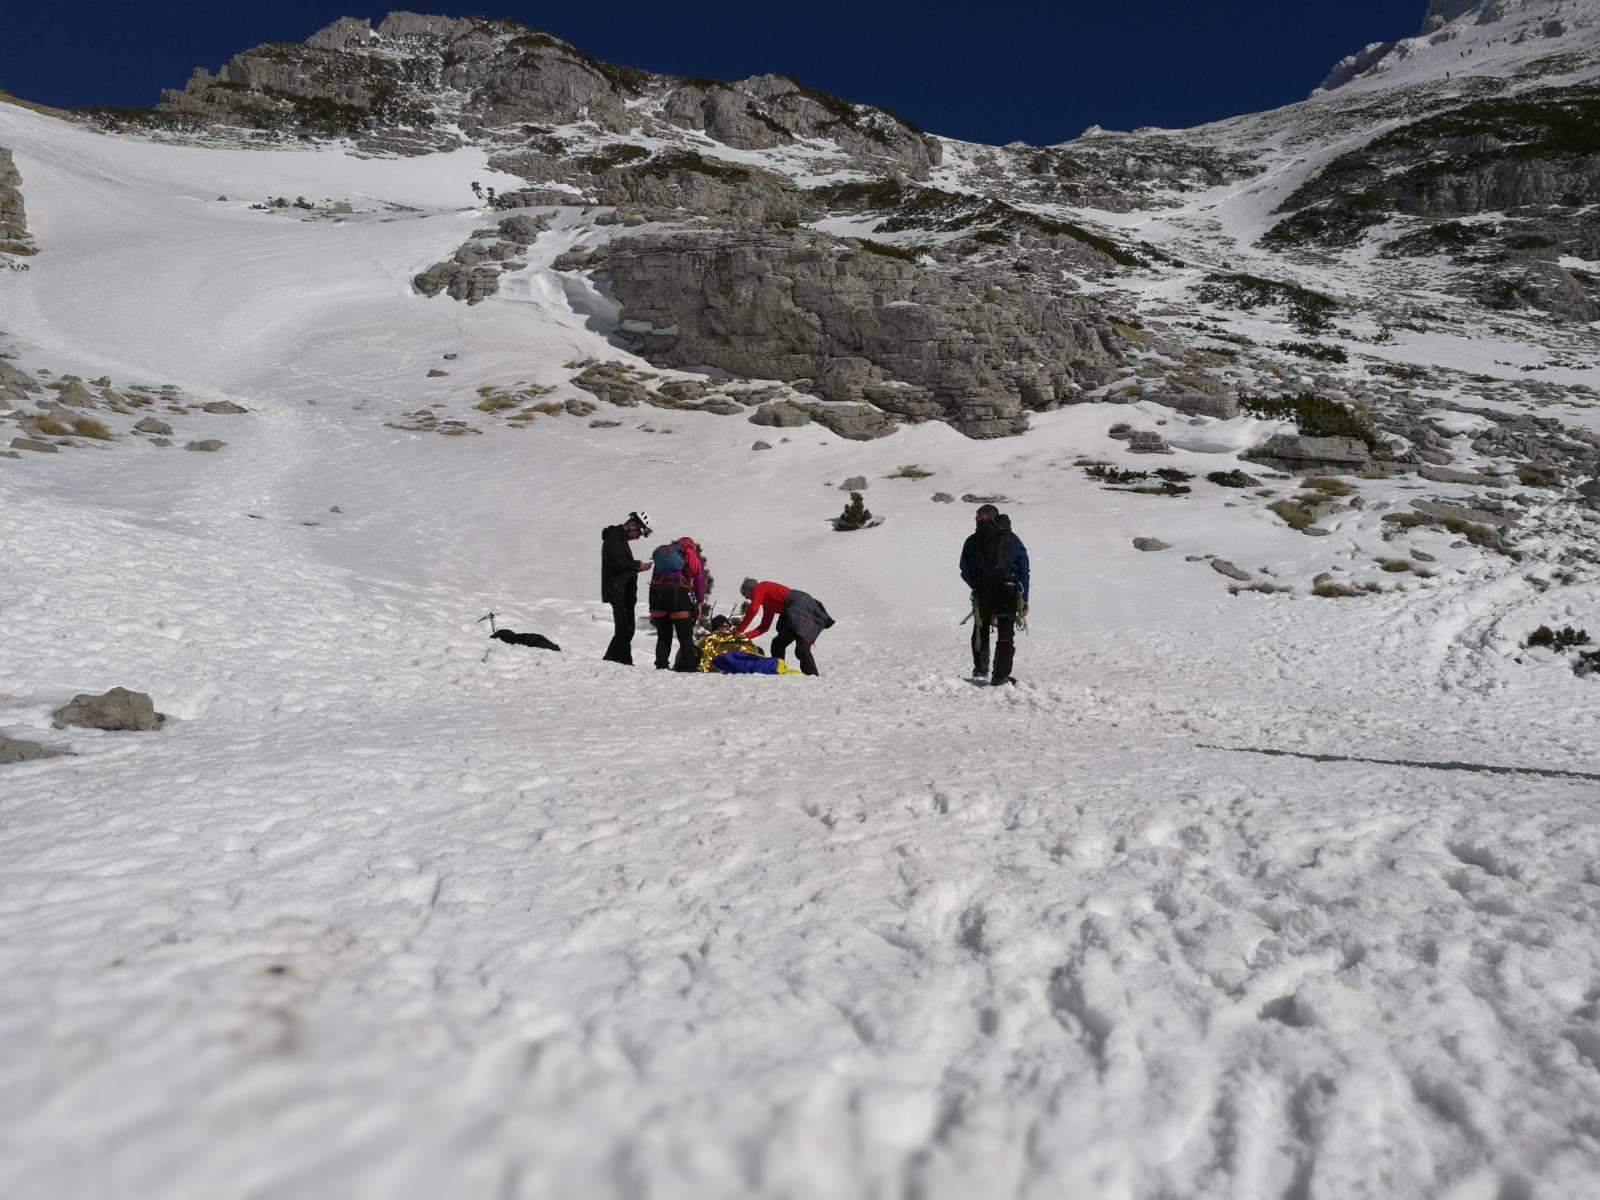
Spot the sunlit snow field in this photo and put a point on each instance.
(1233, 896)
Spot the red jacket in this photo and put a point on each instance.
(767, 601)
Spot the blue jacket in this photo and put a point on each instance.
(973, 567)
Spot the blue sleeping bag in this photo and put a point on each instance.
(737, 662)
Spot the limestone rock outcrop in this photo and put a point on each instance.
(14, 237)
(856, 326)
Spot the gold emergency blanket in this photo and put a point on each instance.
(722, 640)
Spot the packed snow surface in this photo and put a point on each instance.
(1233, 896)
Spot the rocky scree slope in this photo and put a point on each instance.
(934, 279)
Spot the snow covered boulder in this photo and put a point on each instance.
(116, 709)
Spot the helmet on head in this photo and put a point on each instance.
(642, 520)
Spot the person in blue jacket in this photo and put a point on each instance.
(994, 564)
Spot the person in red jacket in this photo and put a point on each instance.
(801, 619)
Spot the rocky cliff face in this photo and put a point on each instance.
(1533, 158)
(14, 237)
(403, 84)
(857, 325)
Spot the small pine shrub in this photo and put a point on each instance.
(1564, 638)
(1395, 566)
(1109, 474)
(1332, 354)
(908, 254)
(1173, 475)
(1314, 415)
(910, 471)
(856, 515)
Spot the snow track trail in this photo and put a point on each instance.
(388, 910)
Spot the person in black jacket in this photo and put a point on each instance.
(619, 582)
(994, 564)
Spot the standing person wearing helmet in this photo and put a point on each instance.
(994, 564)
(619, 582)
(801, 619)
(677, 589)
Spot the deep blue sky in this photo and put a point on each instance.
(994, 72)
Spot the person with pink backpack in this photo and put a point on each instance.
(677, 590)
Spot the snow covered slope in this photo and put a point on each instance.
(1246, 895)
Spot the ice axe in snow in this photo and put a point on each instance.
(512, 638)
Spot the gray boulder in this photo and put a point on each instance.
(153, 425)
(1295, 453)
(206, 446)
(77, 395)
(1223, 567)
(1146, 442)
(472, 284)
(856, 483)
(857, 422)
(116, 709)
(758, 445)
(1201, 404)
(224, 408)
(33, 444)
(1150, 545)
(14, 750)
(781, 414)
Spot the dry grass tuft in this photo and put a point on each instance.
(1328, 485)
(1334, 591)
(49, 425)
(90, 428)
(910, 471)
(1295, 516)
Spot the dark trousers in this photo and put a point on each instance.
(784, 638)
(996, 608)
(621, 648)
(684, 628)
